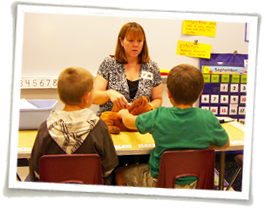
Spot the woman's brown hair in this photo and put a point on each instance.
(137, 31)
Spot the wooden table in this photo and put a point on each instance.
(236, 135)
(134, 143)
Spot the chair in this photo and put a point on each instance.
(239, 161)
(73, 168)
(175, 164)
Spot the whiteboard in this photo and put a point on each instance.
(53, 41)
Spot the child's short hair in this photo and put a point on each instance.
(185, 83)
(73, 84)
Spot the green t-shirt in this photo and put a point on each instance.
(177, 129)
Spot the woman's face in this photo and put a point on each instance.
(133, 44)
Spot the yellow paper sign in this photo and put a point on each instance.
(201, 28)
(194, 50)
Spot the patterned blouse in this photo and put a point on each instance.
(114, 73)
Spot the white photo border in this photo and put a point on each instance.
(26, 8)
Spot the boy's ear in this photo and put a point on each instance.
(200, 93)
(86, 97)
(169, 94)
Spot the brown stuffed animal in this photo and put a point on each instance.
(115, 124)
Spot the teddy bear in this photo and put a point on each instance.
(115, 124)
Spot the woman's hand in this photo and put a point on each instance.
(117, 99)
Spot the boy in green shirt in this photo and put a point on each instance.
(176, 128)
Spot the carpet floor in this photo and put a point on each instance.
(230, 169)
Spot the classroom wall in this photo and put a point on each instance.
(53, 42)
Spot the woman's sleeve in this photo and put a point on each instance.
(107, 66)
(157, 75)
(102, 71)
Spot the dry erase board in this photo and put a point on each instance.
(53, 41)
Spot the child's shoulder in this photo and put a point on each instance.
(163, 111)
(207, 115)
(171, 110)
(43, 126)
(43, 129)
(204, 111)
(102, 125)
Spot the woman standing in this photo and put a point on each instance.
(129, 74)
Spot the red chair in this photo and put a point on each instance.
(175, 164)
(74, 168)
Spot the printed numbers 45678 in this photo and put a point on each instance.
(31, 82)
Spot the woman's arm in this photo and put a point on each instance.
(156, 99)
(102, 95)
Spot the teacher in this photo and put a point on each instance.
(129, 74)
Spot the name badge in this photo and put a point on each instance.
(147, 75)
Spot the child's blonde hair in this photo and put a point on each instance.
(73, 84)
(185, 83)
